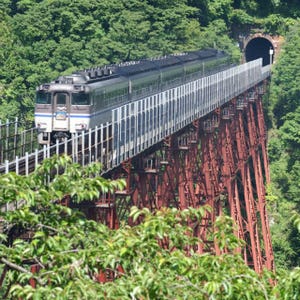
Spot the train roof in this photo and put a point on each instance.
(130, 68)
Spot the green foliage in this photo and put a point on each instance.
(269, 16)
(285, 92)
(240, 16)
(285, 89)
(285, 170)
(284, 153)
(216, 36)
(283, 233)
(220, 9)
(156, 259)
(290, 135)
(289, 287)
(288, 8)
(290, 131)
(296, 220)
(153, 260)
(276, 24)
(275, 146)
(4, 8)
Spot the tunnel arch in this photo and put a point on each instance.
(259, 46)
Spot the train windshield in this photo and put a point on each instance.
(61, 99)
(43, 97)
(80, 99)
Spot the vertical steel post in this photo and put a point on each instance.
(255, 133)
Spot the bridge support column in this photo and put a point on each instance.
(210, 170)
(185, 160)
(247, 200)
(104, 211)
(145, 177)
(168, 177)
(257, 138)
(228, 170)
(262, 138)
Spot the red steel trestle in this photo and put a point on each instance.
(220, 160)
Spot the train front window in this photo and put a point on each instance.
(43, 97)
(80, 99)
(61, 99)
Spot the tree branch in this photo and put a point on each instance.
(14, 266)
(48, 227)
(19, 268)
(3, 275)
(40, 225)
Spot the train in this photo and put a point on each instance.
(74, 103)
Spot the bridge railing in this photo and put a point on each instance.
(16, 138)
(95, 145)
(266, 71)
(143, 123)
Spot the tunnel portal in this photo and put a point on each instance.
(259, 47)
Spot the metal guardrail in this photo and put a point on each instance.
(143, 123)
(266, 71)
(84, 148)
(16, 138)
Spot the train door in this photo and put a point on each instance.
(61, 112)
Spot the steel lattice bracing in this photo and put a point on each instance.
(219, 160)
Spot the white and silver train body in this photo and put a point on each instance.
(66, 106)
(85, 99)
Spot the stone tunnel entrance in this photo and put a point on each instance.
(259, 47)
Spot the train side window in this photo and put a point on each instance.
(80, 99)
(142, 86)
(43, 98)
(118, 94)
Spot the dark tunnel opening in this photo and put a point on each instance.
(259, 47)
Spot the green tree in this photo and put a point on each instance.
(220, 9)
(285, 90)
(284, 150)
(216, 36)
(290, 133)
(153, 260)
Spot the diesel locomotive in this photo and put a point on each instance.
(86, 98)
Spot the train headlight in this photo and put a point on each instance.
(41, 125)
(80, 126)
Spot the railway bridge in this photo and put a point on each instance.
(203, 142)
